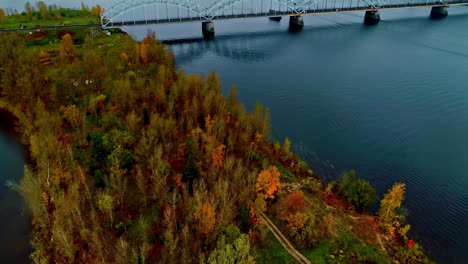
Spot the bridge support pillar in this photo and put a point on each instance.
(296, 22)
(208, 29)
(439, 11)
(372, 17)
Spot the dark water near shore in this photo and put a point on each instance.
(14, 227)
(390, 101)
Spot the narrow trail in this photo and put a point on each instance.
(284, 241)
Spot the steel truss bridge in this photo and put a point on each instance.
(137, 12)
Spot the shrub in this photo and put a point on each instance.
(313, 185)
(303, 229)
(294, 203)
(358, 192)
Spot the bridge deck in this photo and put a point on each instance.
(285, 13)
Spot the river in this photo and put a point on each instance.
(15, 226)
(390, 101)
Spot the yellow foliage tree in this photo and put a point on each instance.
(287, 145)
(2, 14)
(390, 203)
(205, 218)
(67, 49)
(73, 115)
(268, 182)
(96, 10)
(209, 123)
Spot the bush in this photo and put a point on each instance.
(313, 185)
(294, 203)
(303, 229)
(231, 233)
(358, 192)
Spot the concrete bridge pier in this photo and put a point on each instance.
(372, 17)
(439, 11)
(208, 29)
(296, 22)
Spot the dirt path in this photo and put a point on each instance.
(284, 241)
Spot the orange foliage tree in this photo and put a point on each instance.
(218, 156)
(268, 182)
(205, 218)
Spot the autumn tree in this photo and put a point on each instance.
(287, 146)
(84, 8)
(268, 182)
(390, 204)
(73, 115)
(218, 156)
(29, 9)
(205, 217)
(2, 15)
(303, 229)
(294, 203)
(43, 10)
(238, 252)
(96, 11)
(67, 49)
(106, 205)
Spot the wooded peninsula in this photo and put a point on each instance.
(132, 160)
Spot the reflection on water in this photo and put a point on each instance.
(14, 226)
(390, 101)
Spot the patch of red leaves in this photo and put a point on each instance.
(410, 243)
(155, 251)
(177, 163)
(367, 227)
(38, 34)
(332, 200)
(62, 33)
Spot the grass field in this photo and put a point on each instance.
(14, 22)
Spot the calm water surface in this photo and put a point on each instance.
(390, 101)
(14, 227)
